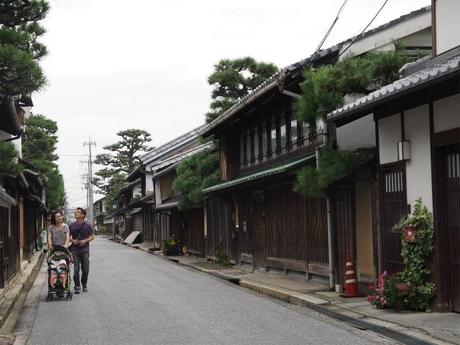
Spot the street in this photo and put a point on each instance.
(138, 298)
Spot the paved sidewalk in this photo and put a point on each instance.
(10, 295)
(433, 328)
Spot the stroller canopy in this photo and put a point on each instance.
(58, 253)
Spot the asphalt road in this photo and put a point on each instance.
(136, 298)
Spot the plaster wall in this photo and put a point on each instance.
(148, 183)
(347, 138)
(157, 192)
(385, 37)
(447, 28)
(364, 238)
(446, 113)
(418, 168)
(389, 135)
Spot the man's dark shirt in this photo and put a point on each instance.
(80, 232)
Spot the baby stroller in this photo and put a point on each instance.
(59, 261)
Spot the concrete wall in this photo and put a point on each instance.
(447, 28)
(364, 238)
(347, 138)
(446, 113)
(418, 168)
(389, 135)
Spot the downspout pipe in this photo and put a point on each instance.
(330, 251)
(329, 244)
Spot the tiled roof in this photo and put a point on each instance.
(279, 77)
(428, 75)
(171, 145)
(176, 159)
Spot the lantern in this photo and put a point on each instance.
(409, 233)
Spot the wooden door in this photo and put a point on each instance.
(258, 214)
(453, 220)
(344, 226)
(394, 207)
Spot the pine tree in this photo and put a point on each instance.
(20, 49)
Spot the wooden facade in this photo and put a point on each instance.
(263, 222)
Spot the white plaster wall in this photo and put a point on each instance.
(446, 113)
(447, 27)
(418, 168)
(357, 134)
(148, 183)
(384, 37)
(389, 135)
(157, 192)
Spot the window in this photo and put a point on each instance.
(263, 140)
(248, 147)
(242, 150)
(294, 134)
(283, 140)
(306, 132)
(273, 141)
(256, 145)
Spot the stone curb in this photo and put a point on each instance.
(306, 300)
(23, 283)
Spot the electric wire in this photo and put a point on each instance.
(365, 28)
(331, 27)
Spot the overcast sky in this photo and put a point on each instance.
(114, 64)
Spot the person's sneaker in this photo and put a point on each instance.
(85, 289)
(77, 290)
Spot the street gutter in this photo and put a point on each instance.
(321, 306)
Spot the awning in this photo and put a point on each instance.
(258, 175)
(133, 211)
(439, 70)
(170, 203)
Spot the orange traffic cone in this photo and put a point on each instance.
(351, 286)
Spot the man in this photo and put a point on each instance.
(81, 233)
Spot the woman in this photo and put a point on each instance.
(58, 231)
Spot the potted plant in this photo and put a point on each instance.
(416, 250)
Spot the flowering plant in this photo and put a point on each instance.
(383, 293)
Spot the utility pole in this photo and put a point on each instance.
(89, 209)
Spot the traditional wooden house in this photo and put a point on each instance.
(186, 225)
(22, 195)
(255, 215)
(417, 131)
(130, 212)
(148, 187)
(103, 219)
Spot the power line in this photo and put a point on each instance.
(365, 28)
(330, 28)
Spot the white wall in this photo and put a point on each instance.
(384, 38)
(446, 113)
(418, 168)
(157, 192)
(148, 183)
(389, 135)
(447, 26)
(357, 134)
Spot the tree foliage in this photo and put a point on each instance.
(122, 158)
(194, 174)
(20, 49)
(233, 79)
(334, 165)
(323, 88)
(39, 147)
(9, 159)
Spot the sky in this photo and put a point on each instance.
(114, 65)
